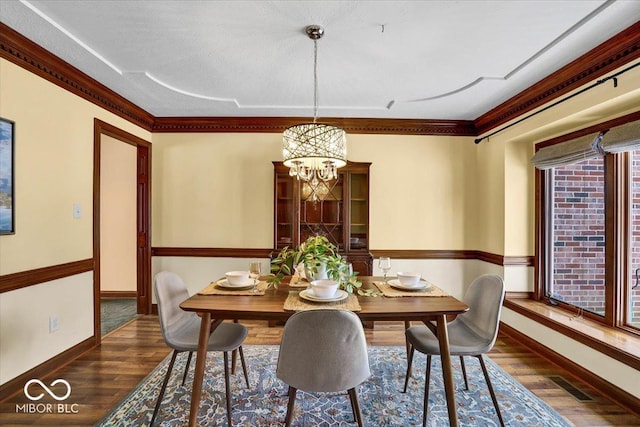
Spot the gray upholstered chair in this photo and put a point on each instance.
(323, 351)
(470, 334)
(181, 330)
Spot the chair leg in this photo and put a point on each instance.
(234, 361)
(186, 367)
(426, 392)
(493, 394)
(234, 356)
(464, 373)
(227, 387)
(409, 363)
(164, 386)
(355, 406)
(292, 402)
(244, 366)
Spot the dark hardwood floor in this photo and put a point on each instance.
(103, 376)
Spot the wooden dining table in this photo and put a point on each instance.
(270, 306)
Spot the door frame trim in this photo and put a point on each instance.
(143, 214)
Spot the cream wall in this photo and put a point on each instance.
(418, 189)
(118, 215)
(213, 190)
(216, 190)
(54, 170)
(25, 341)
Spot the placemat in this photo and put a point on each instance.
(297, 281)
(214, 289)
(389, 291)
(295, 303)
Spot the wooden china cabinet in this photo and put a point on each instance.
(340, 212)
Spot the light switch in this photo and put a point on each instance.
(77, 211)
(54, 323)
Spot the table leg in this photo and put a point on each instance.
(447, 371)
(198, 376)
(407, 325)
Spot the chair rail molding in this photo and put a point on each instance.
(23, 279)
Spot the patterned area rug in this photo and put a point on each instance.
(381, 401)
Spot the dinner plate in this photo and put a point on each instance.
(421, 286)
(224, 283)
(309, 296)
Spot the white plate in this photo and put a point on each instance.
(224, 283)
(422, 285)
(309, 296)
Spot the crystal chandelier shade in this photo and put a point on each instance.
(314, 151)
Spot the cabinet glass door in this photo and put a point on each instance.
(285, 211)
(359, 210)
(321, 207)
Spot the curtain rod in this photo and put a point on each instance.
(613, 77)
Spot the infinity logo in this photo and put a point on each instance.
(47, 389)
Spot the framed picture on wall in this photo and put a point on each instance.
(7, 206)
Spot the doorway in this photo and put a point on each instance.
(121, 248)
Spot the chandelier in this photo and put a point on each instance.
(314, 151)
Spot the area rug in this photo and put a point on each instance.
(381, 401)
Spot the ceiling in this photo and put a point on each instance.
(452, 60)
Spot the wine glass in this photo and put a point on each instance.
(384, 264)
(255, 268)
(346, 273)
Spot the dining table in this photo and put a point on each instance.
(434, 312)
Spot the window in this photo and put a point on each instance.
(632, 295)
(588, 222)
(578, 236)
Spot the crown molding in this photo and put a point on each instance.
(351, 125)
(16, 48)
(610, 55)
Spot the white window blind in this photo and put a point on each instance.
(569, 152)
(622, 138)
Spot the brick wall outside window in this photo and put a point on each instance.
(579, 235)
(634, 227)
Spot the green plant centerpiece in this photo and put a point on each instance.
(316, 253)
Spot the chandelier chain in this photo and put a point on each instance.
(315, 80)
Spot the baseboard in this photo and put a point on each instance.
(47, 367)
(118, 294)
(621, 397)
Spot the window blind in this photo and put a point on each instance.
(621, 138)
(569, 152)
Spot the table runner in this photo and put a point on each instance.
(389, 291)
(295, 303)
(214, 289)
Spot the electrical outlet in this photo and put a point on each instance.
(54, 323)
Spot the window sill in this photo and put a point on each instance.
(618, 344)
